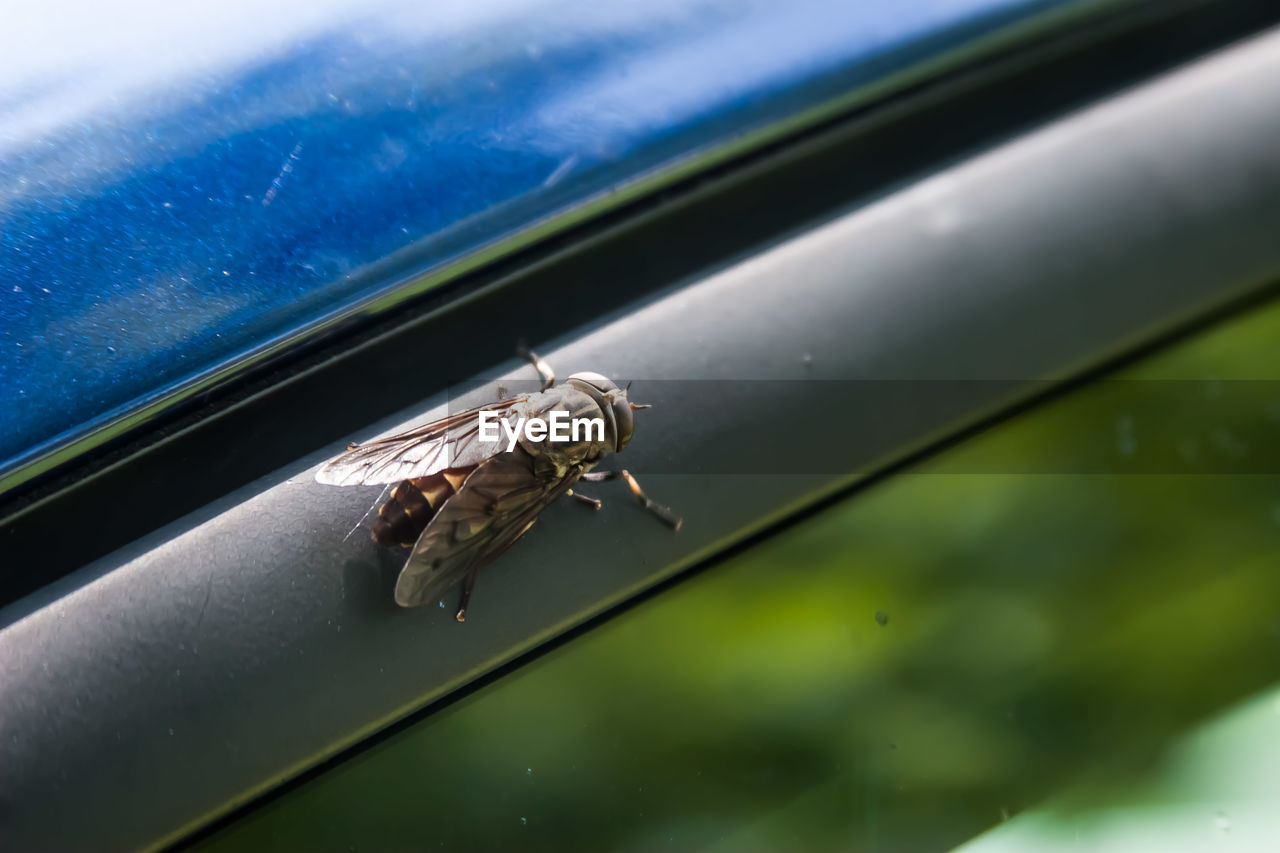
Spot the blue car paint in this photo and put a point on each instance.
(177, 193)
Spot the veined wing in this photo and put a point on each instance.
(451, 442)
(495, 506)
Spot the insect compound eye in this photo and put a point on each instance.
(603, 384)
(606, 393)
(625, 420)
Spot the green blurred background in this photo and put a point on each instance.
(1028, 632)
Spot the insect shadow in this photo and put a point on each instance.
(369, 581)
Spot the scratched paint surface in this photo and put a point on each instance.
(179, 186)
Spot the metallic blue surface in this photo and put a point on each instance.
(181, 185)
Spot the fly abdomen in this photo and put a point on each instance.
(413, 503)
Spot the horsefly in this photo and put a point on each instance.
(469, 485)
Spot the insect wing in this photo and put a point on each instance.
(495, 506)
(451, 442)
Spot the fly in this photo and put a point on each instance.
(461, 499)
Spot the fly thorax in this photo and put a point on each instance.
(565, 426)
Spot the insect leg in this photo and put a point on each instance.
(545, 372)
(467, 586)
(594, 503)
(667, 516)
